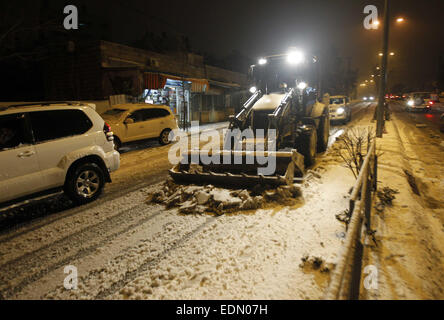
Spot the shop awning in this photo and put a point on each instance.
(199, 85)
(159, 80)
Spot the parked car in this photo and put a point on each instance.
(133, 122)
(340, 109)
(419, 101)
(46, 148)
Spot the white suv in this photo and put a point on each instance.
(51, 147)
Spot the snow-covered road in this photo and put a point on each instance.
(124, 247)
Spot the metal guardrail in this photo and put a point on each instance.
(346, 278)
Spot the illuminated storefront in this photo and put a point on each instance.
(174, 92)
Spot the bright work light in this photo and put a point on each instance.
(295, 57)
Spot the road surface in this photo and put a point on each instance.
(124, 247)
(430, 119)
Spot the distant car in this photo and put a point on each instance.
(47, 148)
(369, 98)
(133, 122)
(419, 101)
(340, 109)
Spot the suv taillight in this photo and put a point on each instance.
(107, 131)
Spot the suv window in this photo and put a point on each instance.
(148, 114)
(56, 124)
(137, 116)
(13, 132)
(336, 101)
(155, 113)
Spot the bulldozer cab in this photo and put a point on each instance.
(278, 74)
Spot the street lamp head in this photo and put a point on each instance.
(400, 20)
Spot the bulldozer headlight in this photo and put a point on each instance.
(253, 89)
(410, 102)
(340, 111)
(295, 57)
(262, 61)
(302, 85)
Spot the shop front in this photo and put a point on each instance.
(175, 92)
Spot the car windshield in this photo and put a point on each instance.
(115, 113)
(337, 101)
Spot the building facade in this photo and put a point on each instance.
(98, 70)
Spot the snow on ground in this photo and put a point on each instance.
(410, 252)
(129, 248)
(252, 255)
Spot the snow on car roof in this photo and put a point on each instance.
(133, 106)
(41, 107)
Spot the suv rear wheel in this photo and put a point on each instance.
(164, 138)
(85, 183)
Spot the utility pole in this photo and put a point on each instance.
(383, 83)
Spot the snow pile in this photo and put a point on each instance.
(210, 199)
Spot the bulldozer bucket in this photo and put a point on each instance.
(238, 168)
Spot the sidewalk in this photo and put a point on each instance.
(409, 255)
(206, 127)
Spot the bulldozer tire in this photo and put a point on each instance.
(323, 134)
(308, 147)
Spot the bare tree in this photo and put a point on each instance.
(353, 147)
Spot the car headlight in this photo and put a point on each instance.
(372, 98)
(340, 110)
(410, 102)
(365, 99)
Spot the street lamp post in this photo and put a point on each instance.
(383, 82)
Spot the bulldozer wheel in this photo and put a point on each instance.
(308, 147)
(323, 134)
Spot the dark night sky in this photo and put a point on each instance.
(261, 27)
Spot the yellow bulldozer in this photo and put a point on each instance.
(276, 134)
